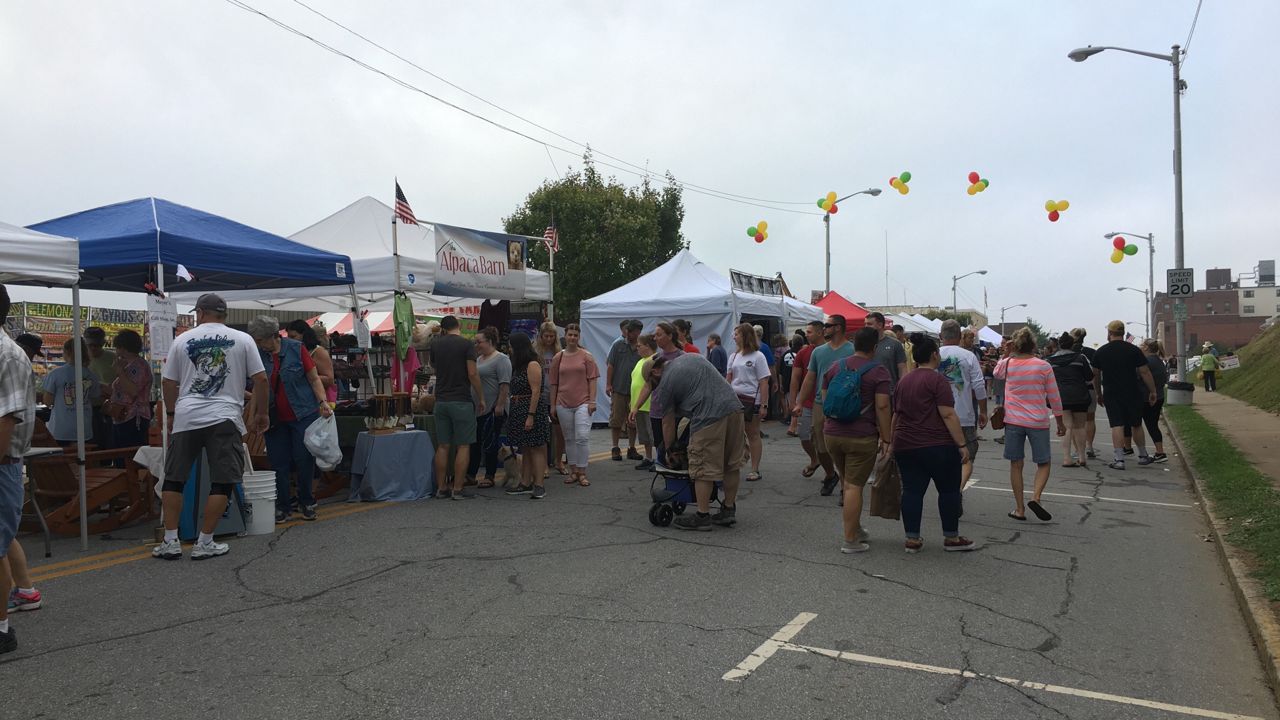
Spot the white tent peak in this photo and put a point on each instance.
(363, 230)
(37, 258)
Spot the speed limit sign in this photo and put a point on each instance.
(1181, 282)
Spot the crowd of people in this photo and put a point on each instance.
(860, 403)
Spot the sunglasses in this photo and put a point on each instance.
(832, 325)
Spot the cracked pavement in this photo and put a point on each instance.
(577, 607)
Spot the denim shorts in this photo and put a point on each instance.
(1015, 448)
(11, 499)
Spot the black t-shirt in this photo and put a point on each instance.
(1119, 362)
(449, 354)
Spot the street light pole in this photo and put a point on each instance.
(955, 308)
(1146, 295)
(1174, 59)
(826, 220)
(1007, 307)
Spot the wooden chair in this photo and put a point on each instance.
(116, 494)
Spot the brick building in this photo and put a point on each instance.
(1223, 313)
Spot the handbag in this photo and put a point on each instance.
(997, 418)
(886, 490)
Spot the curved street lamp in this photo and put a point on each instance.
(1147, 296)
(954, 278)
(826, 220)
(1007, 307)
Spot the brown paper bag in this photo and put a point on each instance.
(886, 491)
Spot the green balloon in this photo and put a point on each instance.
(820, 201)
(751, 231)
(1130, 249)
(905, 176)
(985, 182)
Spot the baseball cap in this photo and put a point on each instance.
(212, 303)
(31, 342)
(1115, 327)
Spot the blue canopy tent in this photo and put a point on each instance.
(126, 245)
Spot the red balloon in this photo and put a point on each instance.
(1053, 216)
(893, 181)
(833, 209)
(760, 237)
(973, 178)
(1118, 243)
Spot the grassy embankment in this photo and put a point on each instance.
(1257, 381)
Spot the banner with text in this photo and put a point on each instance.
(477, 264)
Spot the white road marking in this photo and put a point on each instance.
(769, 647)
(1090, 497)
(972, 481)
(1028, 684)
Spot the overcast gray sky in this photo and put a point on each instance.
(204, 104)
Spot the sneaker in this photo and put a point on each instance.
(211, 549)
(1116, 464)
(1160, 458)
(829, 484)
(171, 550)
(617, 454)
(726, 517)
(1128, 451)
(444, 494)
(693, 521)
(9, 641)
(1000, 439)
(22, 601)
(1146, 460)
(959, 544)
(863, 534)
(645, 464)
(913, 545)
(309, 513)
(857, 546)
(463, 495)
(282, 516)
(538, 492)
(520, 490)
(1093, 454)
(633, 454)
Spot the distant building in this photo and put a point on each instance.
(1223, 313)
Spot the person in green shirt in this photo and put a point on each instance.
(1209, 367)
(646, 346)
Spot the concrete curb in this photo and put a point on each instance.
(1254, 604)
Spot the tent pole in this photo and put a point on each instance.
(551, 277)
(395, 248)
(78, 366)
(164, 411)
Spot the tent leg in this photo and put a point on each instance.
(78, 365)
(355, 317)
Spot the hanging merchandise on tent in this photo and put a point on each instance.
(405, 363)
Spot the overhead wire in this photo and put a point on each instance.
(548, 145)
(1187, 45)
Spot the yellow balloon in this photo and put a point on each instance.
(1050, 206)
(826, 204)
(766, 235)
(762, 226)
(1063, 205)
(831, 196)
(1117, 256)
(972, 189)
(904, 188)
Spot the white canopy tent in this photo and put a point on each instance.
(28, 257)
(910, 324)
(682, 287)
(987, 335)
(363, 230)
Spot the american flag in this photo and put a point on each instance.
(404, 213)
(551, 238)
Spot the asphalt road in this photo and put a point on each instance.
(577, 607)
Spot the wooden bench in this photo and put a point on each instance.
(115, 496)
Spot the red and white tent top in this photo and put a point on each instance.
(834, 303)
(380, 322)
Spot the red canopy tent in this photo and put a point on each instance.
(855, 315)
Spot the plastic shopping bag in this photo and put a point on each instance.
(321, 438)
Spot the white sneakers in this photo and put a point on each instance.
(172, 550)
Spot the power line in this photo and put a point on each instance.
(1187, 45)
(550, 146)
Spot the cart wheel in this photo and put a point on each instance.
(665, 514)
(654, 516)
(678, 508)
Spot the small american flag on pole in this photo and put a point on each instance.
(404, 213)
(551, 238)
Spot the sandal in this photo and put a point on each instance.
(1039, 511)
(753, 476)
(1019, 518)
(583, 481)
(483, 484)
(809, 470)
(560, 468)
(571, 479)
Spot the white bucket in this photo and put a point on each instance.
(262, 516)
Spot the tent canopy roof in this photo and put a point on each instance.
(121, 244)
(833, 303)
(32, 257)
(683, 286)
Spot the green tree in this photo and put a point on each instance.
(1042, 335)
(964, 318)
(610, 234)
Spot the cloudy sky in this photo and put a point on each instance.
(205, 104)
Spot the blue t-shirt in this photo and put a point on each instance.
(769, 359)
(822, 358)
(62, 419)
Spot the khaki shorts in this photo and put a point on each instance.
(716, 451)
(971, 441)
(644, 433)
(853, 457)
(819, 439)
(619, 409)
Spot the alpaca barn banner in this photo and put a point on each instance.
(478, 264)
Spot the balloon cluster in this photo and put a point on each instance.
(899, 183)
(1119, 249)
(828, 203)
(977, 183)
(1054, 207)
(759, 231)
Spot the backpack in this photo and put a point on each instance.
(843, 399)
(1072, 378)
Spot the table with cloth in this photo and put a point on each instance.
(394, 466)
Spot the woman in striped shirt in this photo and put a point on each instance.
(1030, 394)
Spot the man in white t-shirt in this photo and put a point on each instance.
(961, 368)
(204, 386)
